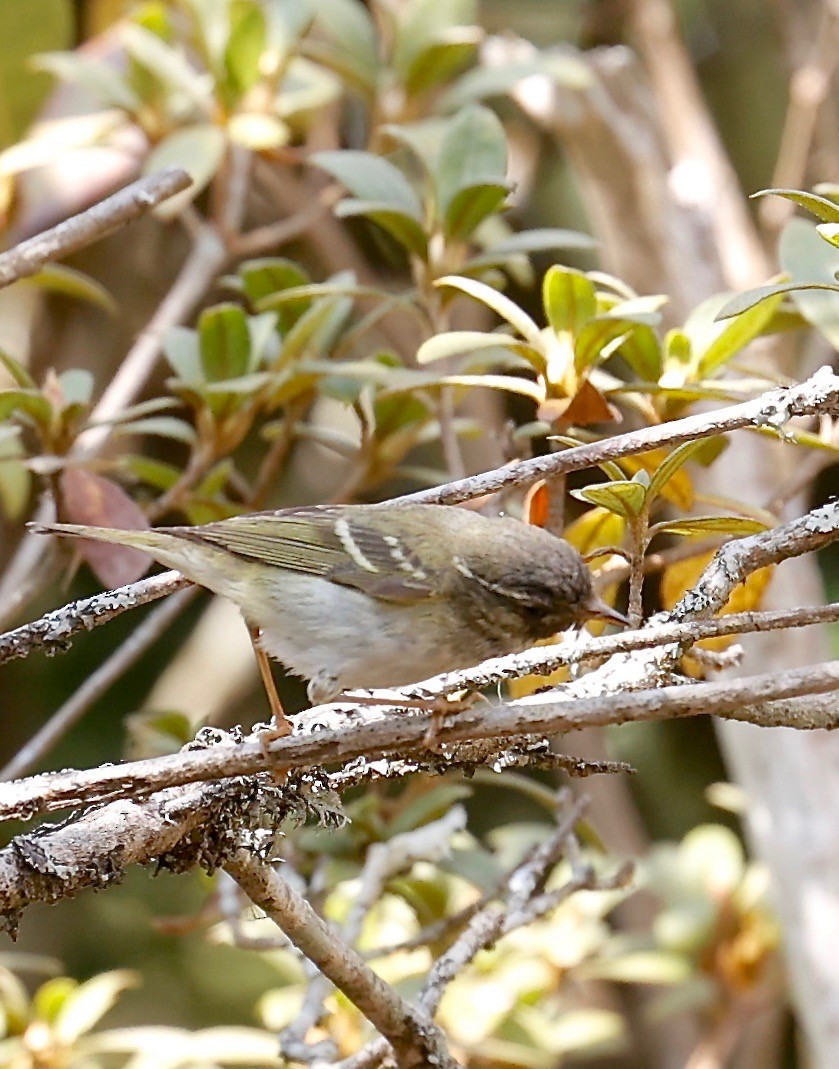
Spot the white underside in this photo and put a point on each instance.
(334, 636)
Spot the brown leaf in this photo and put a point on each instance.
(94, 500)
(588, 405)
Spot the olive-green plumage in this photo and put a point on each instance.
(366, 596)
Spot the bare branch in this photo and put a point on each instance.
(52, 633)
(819, 394)
(383, 861)
(518, 902)
(83, 229)
(416, 1040)
(96, 685)
(379, 734)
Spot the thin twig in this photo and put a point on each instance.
(96, 684)
(384, 860)
(97, 222)
(273, 235)
(809, 88)
(199, 270)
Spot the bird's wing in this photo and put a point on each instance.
(332, 543)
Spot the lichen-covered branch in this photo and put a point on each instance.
(818, 395)
(52, 633)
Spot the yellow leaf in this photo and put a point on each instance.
(679, 577)
(595, 528)
(520, 688)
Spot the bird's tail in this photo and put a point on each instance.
(166, 549)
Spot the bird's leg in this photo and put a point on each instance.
(280, 725)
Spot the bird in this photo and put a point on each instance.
(374, 596)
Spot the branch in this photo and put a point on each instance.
(598, 693)
(819, 394)
(518, 902)
(383, 735)
(97, 222)
(198, 272)
(52, 632)
(383, 861)
(416, 1040)
(96, 684)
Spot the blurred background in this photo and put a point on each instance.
(743, 53)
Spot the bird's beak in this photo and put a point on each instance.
(597, 609)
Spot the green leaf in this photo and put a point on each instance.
(51, 996)
(244, 384)
(611, 469)
(272, 275)
(644, 311)
(168, 64)
(17, 371)
(569, 299)
(830, 233)
(182, 350)
(15, 478)
(314, 330)
(678, 348)
(86, 1004)
(421, 25)
(400, 225)
(30, 402)
(155, 473)
(676, 460)
(594, 338)
(530, 241)
(743, 302)
(821, 207)
(160, 426)
(92, 74)
(76, 386)
(456, 342)
(372, 179)
(807, 258)
(699, 525)
(563, 67)
(738, 333)
(454, 51)
(354, 42)
(57, 278)
(199, 150)
(245, 46)
(472, 206)
(224, 342)
(473, 153)
(499, 304)
(642, 351)
(624, 497)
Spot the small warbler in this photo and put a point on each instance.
(369, 596)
